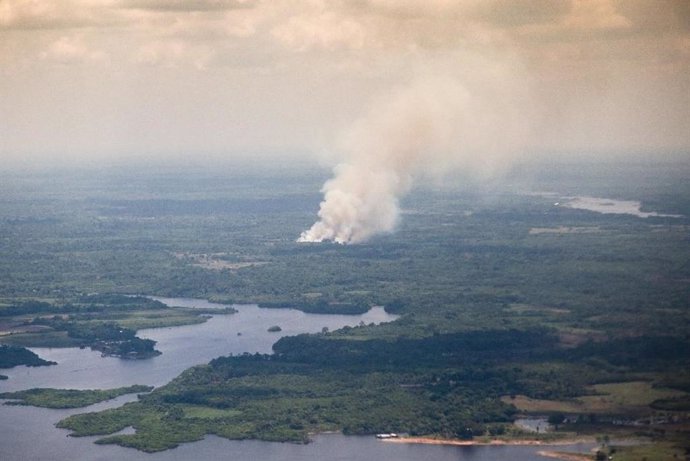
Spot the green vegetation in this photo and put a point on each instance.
(320, 306)
(108, 338)
(610, 398)
(443, 385)
(11, 356)
(508, 303)
(68, 398)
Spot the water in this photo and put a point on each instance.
(28, 433)
(611, 206)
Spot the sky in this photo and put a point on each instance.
(106, 80)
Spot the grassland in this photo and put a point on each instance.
(629, 398)
(659, 451)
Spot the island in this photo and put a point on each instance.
(68, 398)
(12, 356)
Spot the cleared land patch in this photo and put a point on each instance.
(614, 398)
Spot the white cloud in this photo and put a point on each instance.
(188, 5)
(174, 53)
(72, 49)
(596, 14)
(326, 30)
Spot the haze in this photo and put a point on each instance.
(86, 81)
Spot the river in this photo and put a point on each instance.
(28, 433)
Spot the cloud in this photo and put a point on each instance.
(173, 53)
(324, 30)
(596, 14)
(375, 24)
(509, 13)
(69, 50)
(539, 29)
(188, 5)
(55, 14)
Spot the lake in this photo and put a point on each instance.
(28, 433)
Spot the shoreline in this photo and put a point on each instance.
(498, 442)
(564, 456)
(455, 442)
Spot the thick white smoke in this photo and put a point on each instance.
(431, 126)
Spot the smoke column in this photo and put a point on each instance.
(431, 126)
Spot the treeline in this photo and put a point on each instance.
(114, 300)
(644, 353)
(84, 304)
(320, 306)
(455, 349)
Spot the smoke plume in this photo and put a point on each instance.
(468, 121)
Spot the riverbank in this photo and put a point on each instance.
(564, 456)
(501, 442)
(455, 442)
